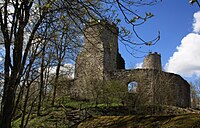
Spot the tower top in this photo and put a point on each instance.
(103, 24)
(152, 61)
(153, 53)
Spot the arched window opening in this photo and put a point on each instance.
(132, 87)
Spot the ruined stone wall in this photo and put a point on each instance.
(157, 84)
(88, 68)
(99, 55)
(182, 91)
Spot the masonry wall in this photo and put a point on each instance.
(171, 88)
(98, 57)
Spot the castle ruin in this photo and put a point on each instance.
(100, 60)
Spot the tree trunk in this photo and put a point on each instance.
(56, 82)
(8, 106)
(41, 91)
(24, 107)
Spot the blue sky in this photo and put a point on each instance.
(174, 19)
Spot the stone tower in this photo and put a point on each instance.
(99, 56)
(152, 61)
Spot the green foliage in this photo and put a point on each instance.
(149, 14)
(114, 92)
(107, 92)
(16, 123)
(134, 19)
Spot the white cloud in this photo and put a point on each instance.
(196, 24)
(139, 65)
(66, 70)
(186, 60)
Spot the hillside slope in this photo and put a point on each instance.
(137, 121)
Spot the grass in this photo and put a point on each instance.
(118, 118)
(67, 102)
(56, 116)
(142, 121)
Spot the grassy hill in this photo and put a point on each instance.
(71, 113)
(137, 121)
